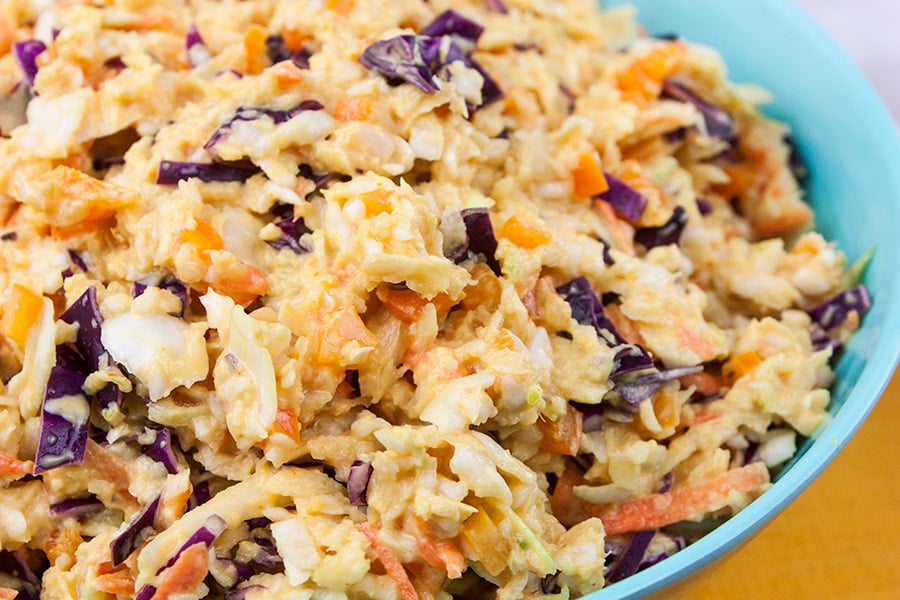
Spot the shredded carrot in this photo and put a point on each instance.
(243, 286)
(377, 201)
(706, 383)
(21, 311)
(286, 423)
(622, 238)
(688, 502)
(63, 542)
(588, 177)
(522, 235)
(293, 37)
(562, 436)
(741, 364)
(696, 343)
(404, 304)
(485, 292)
(626, 328)
(390, 561)
(8, 594)
(483, 540)
(642, 80)
(104, 464)
(255, 48)
(340, 328)
(120, 582)
(341, 7)
(442, 554)
(202, 236)
(353, 108)
(666, 408)
(7, 37)
(186, 575)
(11, 466)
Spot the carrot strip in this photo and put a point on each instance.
(642, 80)
(120, 582)
(186, 575)
(562, 436)
(741, 364)
(8, 594)
(353, 108)
(617, 229)
(255, 48)
(390, 561)
(286, 424)
(23, 307)
(442, 554)
(588, 177)
(341, 7)
(522, 235)
(689, 502)
(405, 305)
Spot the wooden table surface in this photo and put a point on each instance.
(840, 539)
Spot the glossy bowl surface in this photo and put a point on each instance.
(851, 144)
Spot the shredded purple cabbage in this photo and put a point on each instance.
(171, 172)
(252, 113)
(136, 533)
(291, 233)
(630, 393)
(238, 572)
(821, 340)
(85, 312)
(64, 436)
(162, 450)
(200, 495)
(241, 593)
(169, 283)
(145, 593)
(666, 234)
(453, 24)
(421, 59)
(358, 482)
(26, 53)
(196, 48)
(626, 201)
(206, 535)
(629, 559)
(480, 240)
(14, 564)
(704, 207)
(833, 312)
(591, 416)
(76, 508)
(719, 123)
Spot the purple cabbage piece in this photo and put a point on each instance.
(76, 508)
(200, 495)
(632, 393)
(402, 58)
(319, 179)
(421, 59)
(704, 207)
(276, 49)
(676, 135)
(136, 533)
(672, 545)
(480, 240)
(291, 232)
(456, 25)
(833, 312)
(588, 310)
(85, 312)
(14, 564)
(170, 283)
(358, 482)
(64, 436)
(591, 416)
(496, 6)
(196, 48)
(629, 560)
(795, 159)
(145, 593)
(267, 556)
(626, 201)
(257, 523)
(162, 450)
(14, 108)
(78, 261)
(26, 53)
(301, 57)
(719, 123)
(549, 583)
(237, 572)
(821, 340)
(171, 172)
(666, 234)
(252, 113)
(206, 535)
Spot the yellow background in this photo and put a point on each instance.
(840, 539)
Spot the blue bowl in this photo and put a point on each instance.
(851, 144)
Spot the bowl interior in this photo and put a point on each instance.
(851, 145)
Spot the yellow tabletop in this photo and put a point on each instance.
(839, 539)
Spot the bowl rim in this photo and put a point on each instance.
(879, 366)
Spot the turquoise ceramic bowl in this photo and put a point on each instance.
(851, 144)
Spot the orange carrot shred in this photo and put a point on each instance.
(390, 561)
(562, 436)
(186, 575)
(23, 307)
(522, 235)
(588, 177)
